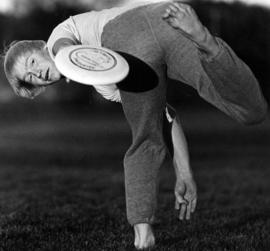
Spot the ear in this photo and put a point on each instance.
(42, 43)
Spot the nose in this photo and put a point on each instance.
(36, 72)
(39, 74)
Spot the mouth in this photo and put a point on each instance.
(47, 75)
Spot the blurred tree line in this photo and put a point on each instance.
(245, 28)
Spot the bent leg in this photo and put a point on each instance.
(225, 81)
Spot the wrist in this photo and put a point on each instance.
(183, 173)
(186, 177)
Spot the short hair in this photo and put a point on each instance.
(12, 53)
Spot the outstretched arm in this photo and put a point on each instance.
(185, 187)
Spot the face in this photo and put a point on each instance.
(37, 68)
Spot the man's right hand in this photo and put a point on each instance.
(185, 197)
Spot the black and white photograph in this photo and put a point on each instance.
(134, 125)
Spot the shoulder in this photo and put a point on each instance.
(65, 30)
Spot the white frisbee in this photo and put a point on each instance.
(91, 65)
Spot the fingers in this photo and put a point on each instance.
(185, 210)
(177, 205)
(188, 211)
(182, 212)
(185, 198)
(193, 205)
(185, 206)
(180, 204)
(179, 201)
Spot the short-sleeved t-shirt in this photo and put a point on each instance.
(87, 29)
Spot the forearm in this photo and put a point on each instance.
(181, 155)
(61, 44)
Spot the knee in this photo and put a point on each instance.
(146, 145)
(153, 144)
(256, 115)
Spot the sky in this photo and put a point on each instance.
(9, 6)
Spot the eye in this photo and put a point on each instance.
(33, 61)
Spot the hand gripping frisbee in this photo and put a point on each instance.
(91, 65)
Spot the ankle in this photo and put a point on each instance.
(143, 226)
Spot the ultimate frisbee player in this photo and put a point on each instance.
(169, 38)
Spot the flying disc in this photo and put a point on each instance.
(91, 65)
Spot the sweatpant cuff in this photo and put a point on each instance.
(145, 220)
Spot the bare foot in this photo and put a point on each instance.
(183, 18)
(144, 236)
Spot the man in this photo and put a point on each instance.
(170, 39)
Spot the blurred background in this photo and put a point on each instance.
(61, 174)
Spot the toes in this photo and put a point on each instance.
(150, 243)
(137, 240)
(173, 9)
(144, 237)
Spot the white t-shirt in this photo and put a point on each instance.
(87, 29)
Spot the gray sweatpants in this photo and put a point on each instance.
(226, 82)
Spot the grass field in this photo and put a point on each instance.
(61, 183)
